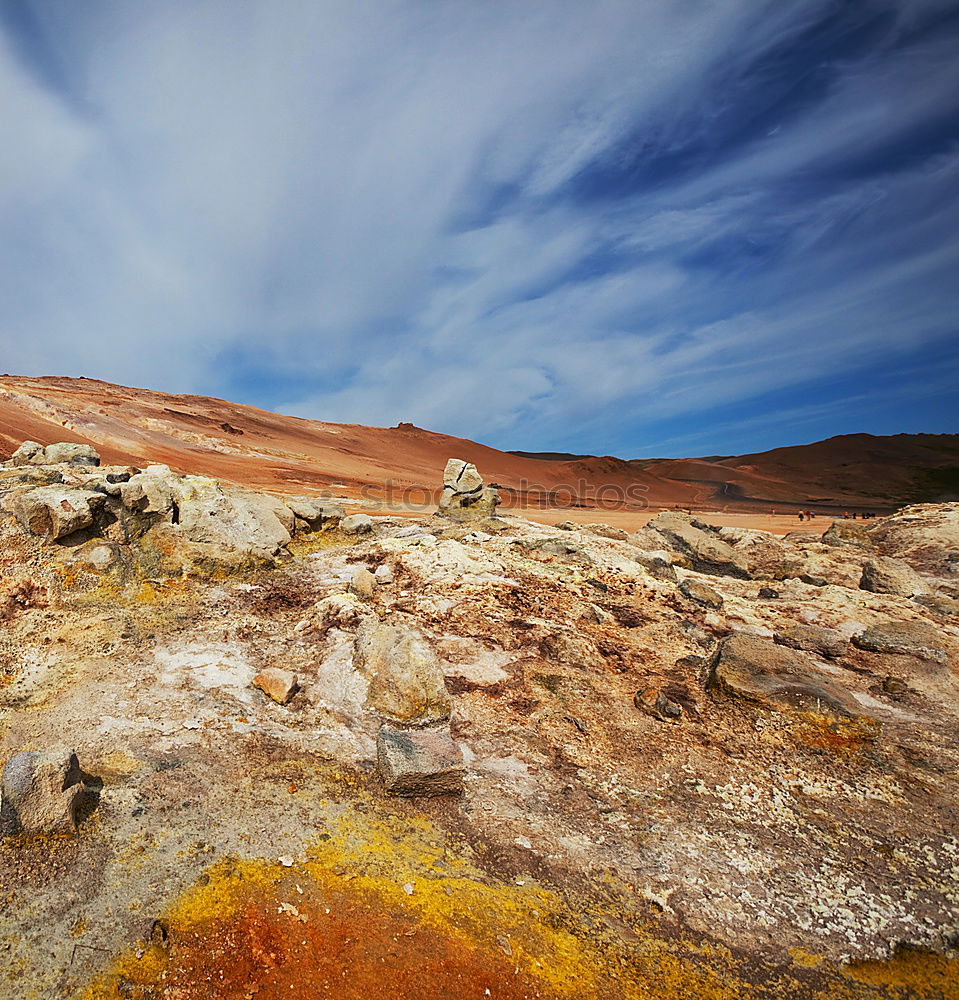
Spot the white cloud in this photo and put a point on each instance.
(306, 187)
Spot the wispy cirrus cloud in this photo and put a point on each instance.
(540, 225)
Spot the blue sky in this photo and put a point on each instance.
(637, 228)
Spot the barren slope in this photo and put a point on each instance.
(399, 465)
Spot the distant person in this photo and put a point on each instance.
(801, 516)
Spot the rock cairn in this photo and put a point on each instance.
(465, 495)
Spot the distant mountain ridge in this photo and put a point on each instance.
(292, 455)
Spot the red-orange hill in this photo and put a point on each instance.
(290, 455)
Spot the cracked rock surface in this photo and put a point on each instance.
(641, 795)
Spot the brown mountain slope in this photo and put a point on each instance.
(403, 464)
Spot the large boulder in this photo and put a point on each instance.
(64, 452)
(464, 495)
(758, 670)
(57, 511)
(67, 453)
(357, 524)
(885, 575)
(766, 556)
(150, 493)
(926, 536)
(904, 638)
(244, 522)
(838, 565)
(406, 678)
(44, 791)
(701, 545)
(276, 683)
(191, 523)
(852, 534)
(313, 514)
(814, 639)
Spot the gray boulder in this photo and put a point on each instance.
(939, 603)
(406, 678)
(852, 534)
(657, 564)
(906, 638)
(43, 791)
(27, 454)
(72, 454)
(701, 546)
(885, 575)
(423, 762)
(766, 556)
(815, 639)
(607, 531)
(314, 514)
(149, 493)
(757, 670)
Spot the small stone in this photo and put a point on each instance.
(383, 574)
(572, 649)
(600, 615)
(363, 583)
(523, 842)
(699, 593)
(280, 685)
(408, 888)
(357, 524)
(653, 702)
(768, 594)
(895, 687)
(423, 762)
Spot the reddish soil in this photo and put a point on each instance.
(390, 469)
(336, 946)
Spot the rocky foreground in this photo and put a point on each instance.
(260, 747)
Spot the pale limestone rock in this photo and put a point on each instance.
(363, 583)
(405, 675)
